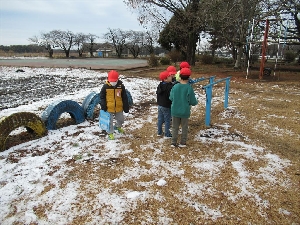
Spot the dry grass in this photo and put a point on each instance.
(270, 112)
(271, 107)
(261, 113)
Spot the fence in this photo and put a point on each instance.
(208, 90)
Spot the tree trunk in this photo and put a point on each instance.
(239, 57)
(67, 53)
(213, 52)
(191, 48)
(50, 51)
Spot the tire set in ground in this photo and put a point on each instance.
(52, 113)
(50, 116)
(30, 121)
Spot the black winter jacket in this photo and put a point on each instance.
(163, 94)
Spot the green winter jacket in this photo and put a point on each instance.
(182, 97)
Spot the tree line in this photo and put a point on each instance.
(22, 48)
(121, 40)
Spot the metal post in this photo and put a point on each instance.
(250, 48)
(264, 48)
(226, 93)
(208, 91)
(208, 104)
(211, 79)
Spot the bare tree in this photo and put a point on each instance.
(45, 41)
(63, 40)
(149, 42)
(230, 20)
(118, 38)
(91, 38)
(291, 17)
(135, 42)
(79, 41)
(189, 14)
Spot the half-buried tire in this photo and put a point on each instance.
(89, 104)
(30, 121)
(52, 113)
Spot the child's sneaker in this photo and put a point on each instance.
(182, 145)
(120, 130)
(111, 137)
(168, 136)
(173, 145)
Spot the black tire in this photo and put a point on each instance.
(52, 113)
(267, 72)
(30, 121)
(89, 104)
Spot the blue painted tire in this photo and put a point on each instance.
(129, 96)
(30, 121)
(52, 113)
(89, 104)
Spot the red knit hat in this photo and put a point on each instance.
(171, 70)
(163, 75)
(184, 65)
(113, 76)
(185, 72)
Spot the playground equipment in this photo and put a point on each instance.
(208, 90)
(89, 104)
(276, 38)
(50, 116)
(30, 121)
(79, 113)
(54, 110)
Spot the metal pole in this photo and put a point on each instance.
(250, 45)
(264, 48)
(226, 93)
(208, 105)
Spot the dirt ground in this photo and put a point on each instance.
(271, 109)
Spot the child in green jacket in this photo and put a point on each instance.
(183, 97)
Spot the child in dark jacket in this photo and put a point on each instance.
(164, 103)
(113, 99)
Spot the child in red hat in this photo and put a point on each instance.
(172, 71)
(183, 97)
(182, 65)
(113, 99)
(164, 103)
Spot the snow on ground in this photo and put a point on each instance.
(23, 183)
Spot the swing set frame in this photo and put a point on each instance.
(262, 70)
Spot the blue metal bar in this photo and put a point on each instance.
(218, 81)
(193, 81)
(208, 105)
(208, 90)
(211, 79)
(226, 93)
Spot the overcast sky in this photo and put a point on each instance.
(22, 19)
